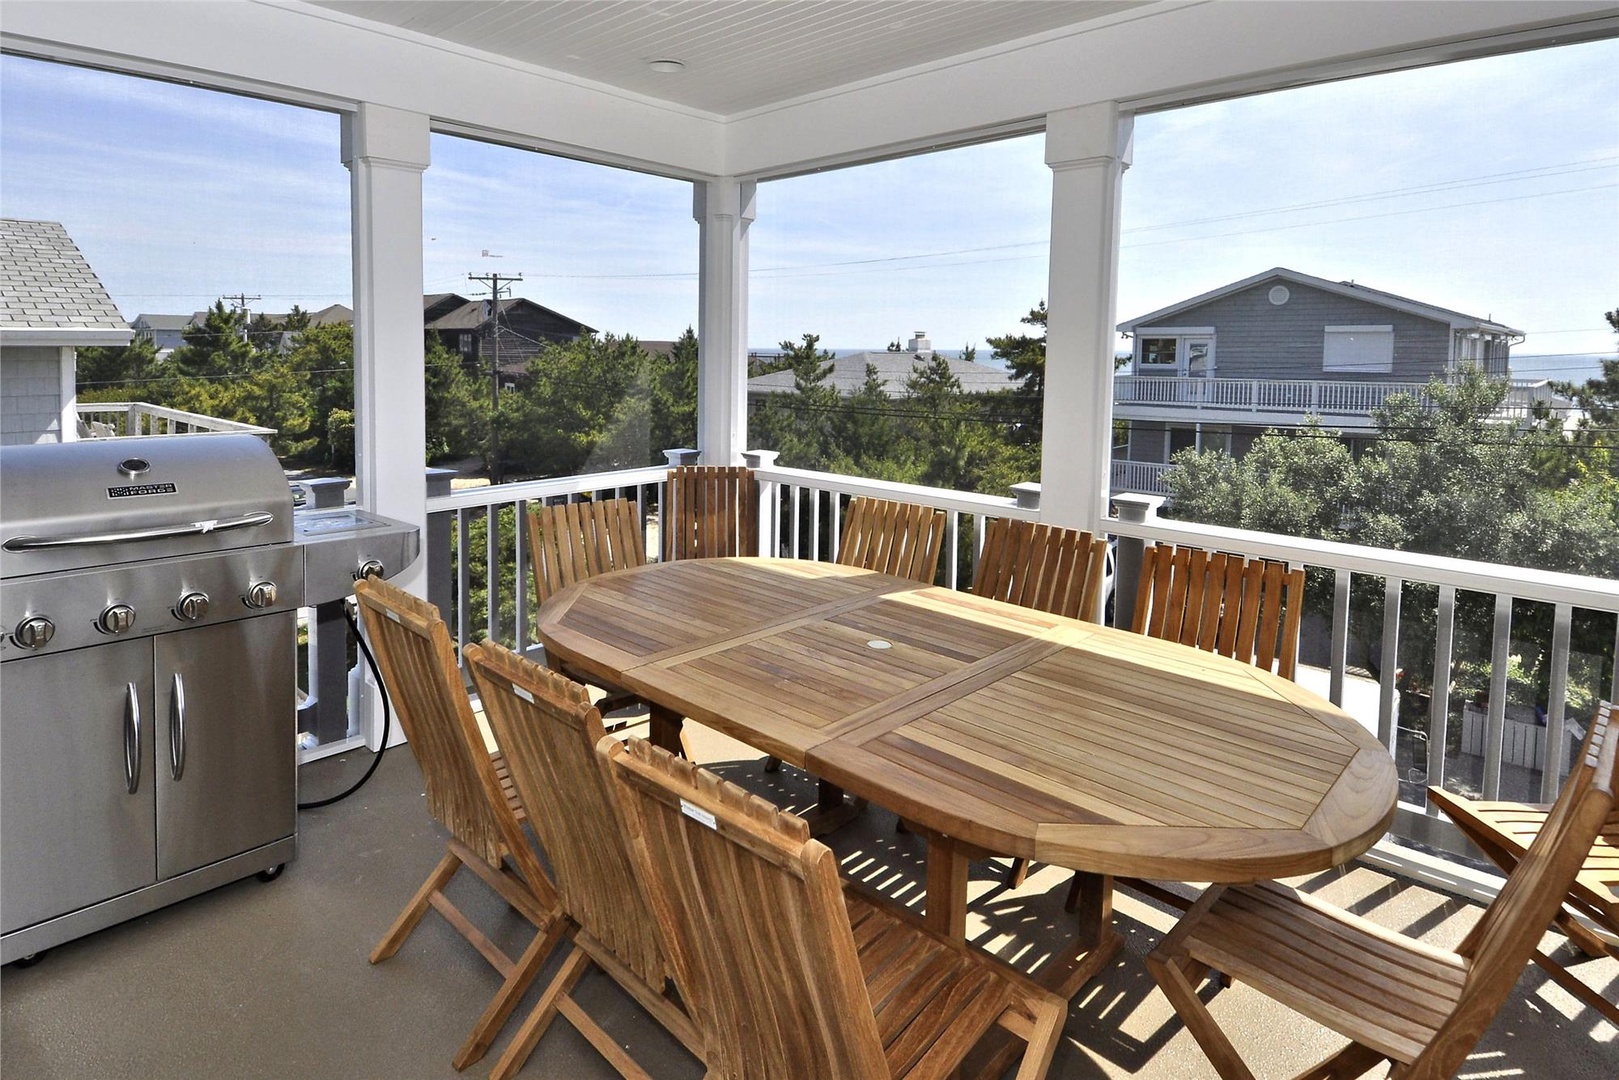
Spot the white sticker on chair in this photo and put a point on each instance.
(522, 693)
(697, 813)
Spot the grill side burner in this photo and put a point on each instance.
(148, 596)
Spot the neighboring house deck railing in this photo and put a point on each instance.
(1139, 477)
(1480, 749)
(112, 419)
(1325, 398)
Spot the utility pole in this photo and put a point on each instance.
(239, 302)
(497, 284)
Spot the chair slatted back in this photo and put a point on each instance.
(1247, 609)
(547, 730)
(890, 537)
(1042, 567)
(570, 542)
(1505, 938)
(417, 663)
(712, 512)
(754, 920)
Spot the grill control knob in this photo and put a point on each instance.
(192, 606)
(260, 594)
(117, 619)
(371, 568)
(34, 632)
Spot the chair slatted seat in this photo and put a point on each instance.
(901, 539)
(1505, 831)
(468, 789)
(788, 973)
(1394, 998)
(711, 512)
(548, 730)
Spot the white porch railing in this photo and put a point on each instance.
(112, 419)
(801, 511)
(1326, 398)
(1138, 477)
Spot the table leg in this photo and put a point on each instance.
(663, 729)
(946, 911)
(831, 811)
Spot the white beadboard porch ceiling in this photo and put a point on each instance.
(740, 55)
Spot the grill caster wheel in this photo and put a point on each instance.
(30, 960)
(271, 874)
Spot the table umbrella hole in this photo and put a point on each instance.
(879, 643)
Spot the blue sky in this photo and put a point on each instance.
(1491, 187)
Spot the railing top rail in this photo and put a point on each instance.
(208, 424)
(1524, 583)
(496, 494)
(965, 502)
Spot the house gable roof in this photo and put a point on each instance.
(47, 286)
(469, 315)
(1454, 319)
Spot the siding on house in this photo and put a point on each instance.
(31, 405)
(1255, 339)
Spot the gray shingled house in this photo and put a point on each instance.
(51, 303)
(1273, 350)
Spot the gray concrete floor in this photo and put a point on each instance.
(271, 980)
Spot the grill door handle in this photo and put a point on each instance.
(177, 728)
(132, 738)
(164, 532)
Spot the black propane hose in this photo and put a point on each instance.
(371, 662)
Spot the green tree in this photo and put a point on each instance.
(1025, 357)
(218, 347)
(674, 398)
(324, 356)
(116, 368)
(583, 407)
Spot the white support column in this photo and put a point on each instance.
(67, 365)
(386, 151)
(1088, 149)
(724, 209)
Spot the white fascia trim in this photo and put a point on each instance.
(1385, 328)
(1173, 331)
(56, 335)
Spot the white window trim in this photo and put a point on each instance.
(1383, 328)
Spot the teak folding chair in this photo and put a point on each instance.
(711, 512)
(1504, 831)
(1395, 999)
(895, 538)
(1046, 568)
(787, 973)
(466, 787)
(1042, 567)
(1247, 609)
(569, 542)
(548, 730)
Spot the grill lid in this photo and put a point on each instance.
(97, 502)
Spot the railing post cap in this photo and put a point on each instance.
(438, 480)
(1134, 507)
(760, 459)
(325, 491)
(683, 455)
(1027, 495)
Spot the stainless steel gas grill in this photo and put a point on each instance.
(148, 684)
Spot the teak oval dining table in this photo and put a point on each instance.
(993, 728)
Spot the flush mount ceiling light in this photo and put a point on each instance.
(667, 67)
